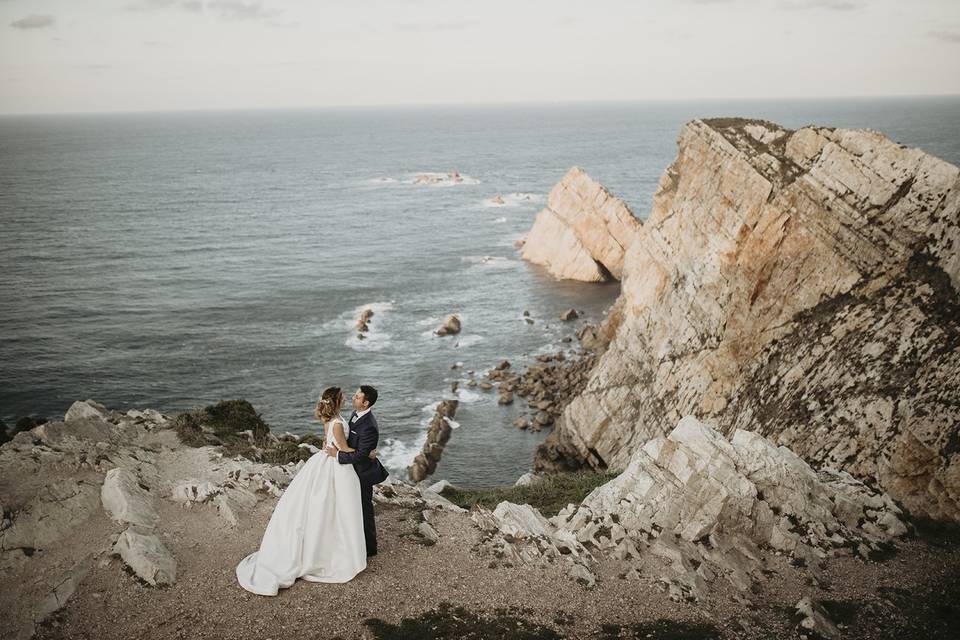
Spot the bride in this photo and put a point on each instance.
(316, 530)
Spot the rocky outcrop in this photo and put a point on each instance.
(800, 284)
(694, 507)
(583, 233)
(438, 433)
(96, 486)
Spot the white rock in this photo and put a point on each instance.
(521, 520)
(437, 501)
(125, 500)
(84, 409)
(437, 487)
(145, 554)
(582, 574)
(527, 480)
(696, 485)
(232, 503)
(193, 491)
(816, 620)
(583, 233)
(428, 532)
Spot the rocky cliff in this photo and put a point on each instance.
(800, 284)
(583, 233)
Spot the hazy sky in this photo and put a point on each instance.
(121, 55)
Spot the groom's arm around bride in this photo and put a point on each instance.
(363, 436)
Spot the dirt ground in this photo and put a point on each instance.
(450, 590)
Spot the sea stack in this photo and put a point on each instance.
(583, 232)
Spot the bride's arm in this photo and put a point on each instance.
(341, 440)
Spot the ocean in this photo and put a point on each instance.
(169, 260)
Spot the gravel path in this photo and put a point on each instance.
(408, 578)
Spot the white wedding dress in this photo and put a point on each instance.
(315, 532)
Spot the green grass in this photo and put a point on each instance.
(551, 494)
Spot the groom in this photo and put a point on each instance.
(363, 437)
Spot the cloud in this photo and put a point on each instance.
(235, 10)
(33, 22)
(831, 5)
(147, 5)
(419, 27)
(231, 10)
(945, 36)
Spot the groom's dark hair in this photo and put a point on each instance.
(369, 394)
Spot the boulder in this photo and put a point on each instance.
(126, 500)
(814, 619)
(428, 533)
(527, 479)
(232, 503)
(81, 410)
(450, 326)
(146, 555)
(439, 486)
(569, 314)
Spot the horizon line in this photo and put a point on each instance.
(491, 103)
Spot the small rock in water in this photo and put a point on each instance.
(569, 314)
(450, 326)
(505, 398)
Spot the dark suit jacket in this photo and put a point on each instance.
(363, 436)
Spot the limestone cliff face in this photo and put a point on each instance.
(801, 284)
(583, 233)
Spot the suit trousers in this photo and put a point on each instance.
(369, 524)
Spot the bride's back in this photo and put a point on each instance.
(328, 434)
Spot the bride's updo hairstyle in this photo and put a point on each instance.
(329, 404)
